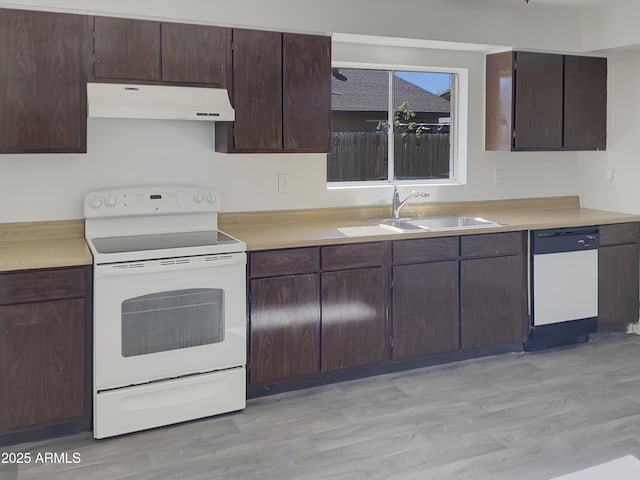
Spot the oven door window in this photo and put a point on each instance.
(172, 320)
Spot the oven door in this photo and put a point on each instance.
(166, 318)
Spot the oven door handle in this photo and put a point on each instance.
(169, 264)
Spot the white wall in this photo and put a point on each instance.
(622, 156)
(130, 152)
(611, 27)
(43, 187)
(492, 22)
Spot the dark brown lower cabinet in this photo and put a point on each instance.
(425, 309)
(45, 352)
(42, 363)
(285, 328)
(317, 310)
(618, 285)
(492, 301)
(353, 318)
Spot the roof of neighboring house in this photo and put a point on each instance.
(368, 91)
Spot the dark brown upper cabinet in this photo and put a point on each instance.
(545, 102)
(195, 54)
(127, 49)
(43, 98)
(537, 113)
(306, 63)
(142, 50)
(281, 94)
(257, 91)
(585, 103)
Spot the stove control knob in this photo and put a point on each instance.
(111, 201)
(95, 202)
(210, 197)
(198, 197)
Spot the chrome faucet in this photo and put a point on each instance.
(397, 204)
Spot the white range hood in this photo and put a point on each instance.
(117, 100)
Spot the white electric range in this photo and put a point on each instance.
(169, 308)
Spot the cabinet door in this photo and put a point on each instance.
(285, 328)
(617, 285)
(585, 103)
(43, 97)
(538, 101)
(353, 318)
(195, 54)
(257, 90)
(425, 309)
(493, 301)
(127, 49)
(307, 92)
(41, 363)
(499, 101)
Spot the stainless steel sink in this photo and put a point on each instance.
(435, 223)
(399, 225)
(451, 221)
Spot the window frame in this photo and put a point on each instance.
(459, 120)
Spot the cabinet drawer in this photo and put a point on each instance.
(273, 263)
(40, 285)
(492, 244)
(619, 233)
(424, 250)
(352, 256)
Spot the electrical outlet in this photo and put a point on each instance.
(499, 176)
(610, 176)
(283, 183)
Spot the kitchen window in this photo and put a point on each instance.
(394, 126)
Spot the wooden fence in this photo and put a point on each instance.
(363, 156)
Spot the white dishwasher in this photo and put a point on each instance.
(564, 286)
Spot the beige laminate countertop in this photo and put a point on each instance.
(297, 228)
(35, 245)
(32, 245)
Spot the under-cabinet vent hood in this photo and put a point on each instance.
(117, 100)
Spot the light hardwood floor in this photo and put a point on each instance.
(514, 416)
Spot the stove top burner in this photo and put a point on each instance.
(140, 243)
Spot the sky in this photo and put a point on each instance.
(433, 82)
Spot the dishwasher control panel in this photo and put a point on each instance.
(559, 240)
